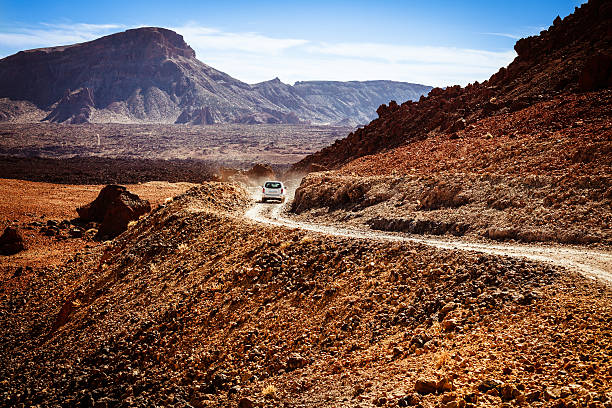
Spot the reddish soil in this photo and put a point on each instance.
(166, 315)
(30, 205)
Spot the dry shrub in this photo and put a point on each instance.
(269, 391)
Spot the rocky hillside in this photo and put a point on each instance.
(524, 156)
(167, 315)
(573, 55)
(151, 75)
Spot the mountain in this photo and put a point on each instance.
(573, 56)
(151, 75)
(345, 103)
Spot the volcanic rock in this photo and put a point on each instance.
(597, 73)
(114, 208)
(11, 241)
(425, 386)
(428, 386)
(74, 107)
(201, 116)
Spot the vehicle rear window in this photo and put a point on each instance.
(272, 185)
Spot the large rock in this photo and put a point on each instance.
(11, 241)
(114, 207)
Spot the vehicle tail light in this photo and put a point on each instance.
(282, 189)
(263, 189)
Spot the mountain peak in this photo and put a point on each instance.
(166, 42)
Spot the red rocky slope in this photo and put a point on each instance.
(573, 55)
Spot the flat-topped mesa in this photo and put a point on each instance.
(153, 41)
(113, 67)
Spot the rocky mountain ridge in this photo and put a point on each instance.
(150, 75)
(573, 55)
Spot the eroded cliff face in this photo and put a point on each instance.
(573, 55)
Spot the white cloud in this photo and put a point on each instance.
(416, 54)
(254, 57)
(506, 35)
(47, 35)
(205, 38)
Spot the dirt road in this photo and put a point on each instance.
(590, 263)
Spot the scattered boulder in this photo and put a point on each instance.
(426, 386)
(245, 403)
(11, 241)
(509, 392)
(409, 400)
(114, 208)
(489, 384)
(501, 234)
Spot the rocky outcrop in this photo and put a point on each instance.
(74, 107)
(573, 55)
(114, 208)
(11, 242)
(151, 75)
(202, 116)
(596, 73)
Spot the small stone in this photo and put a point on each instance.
(447, 308)
(552, 394)
(533, 396)
(448, 325)
(509, 392)
(471, 398)
(409, 400)
(295, 361)
(425, 386)
(489, 384)
(445, 385)
(245, 403)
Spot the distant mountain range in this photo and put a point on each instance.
(150, 75)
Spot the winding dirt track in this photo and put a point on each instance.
(590, 263)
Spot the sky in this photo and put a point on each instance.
(434, 42)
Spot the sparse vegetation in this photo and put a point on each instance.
(269, 391)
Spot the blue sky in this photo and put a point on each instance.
(433, 42)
